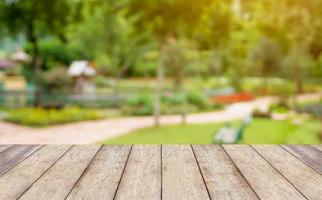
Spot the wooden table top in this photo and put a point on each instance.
(161, 172)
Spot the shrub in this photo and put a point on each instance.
(279, 108)
(102, 81)
(197, 99)
(171, 103)
(39, 117)
(139, 105)
(56, 79)
(173, 99)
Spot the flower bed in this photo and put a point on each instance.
(233, 98)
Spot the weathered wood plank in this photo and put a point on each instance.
(57, 182)
(262, 177)
(318, 147)
(102, 177)
(221, 176)
(142, 175)
(17, 180)
(304, 178)
(4, 147)
(181, 178)
(307, 154)
(14, 155)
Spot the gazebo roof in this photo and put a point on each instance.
(20, 56)
(79, 68)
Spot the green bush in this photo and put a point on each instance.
(275, 86)
(173, 99)
(101, 81)
(171, 103)
(198, 99)
(39, 117)
(139, 105)
(279, 109)
(56, 79)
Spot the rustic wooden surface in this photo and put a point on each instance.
(161, 172)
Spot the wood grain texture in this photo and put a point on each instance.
(57, 182)
(263, 178)
(311, 156)
(222, 178)
(181, 178)
(17, 180)
(303, 177)
(4, 147)
(14, 155)
(155, 172)
(142, 175)
(318, 147)
(102, 177)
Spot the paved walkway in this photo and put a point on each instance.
(95, 131)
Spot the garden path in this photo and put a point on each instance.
(95, 131)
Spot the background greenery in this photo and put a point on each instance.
(166, 57)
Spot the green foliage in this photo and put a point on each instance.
(278, 109)
(139, 105)
(215, 24)
(171, 103)
(53, 15)
(174, 60)
(267, 57)
(166, 18)
(55, 53)
(38, 117)
(173, 99)
(56, 80)
(101, 81)
(212, 37)
(275, 86)
(198, 100)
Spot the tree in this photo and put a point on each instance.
(35, 20)
(175, 60)
(267, 56)
(116, 46)
(166, 19)
(295, 24)
(224, 31)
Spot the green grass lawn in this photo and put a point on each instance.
(261, 131)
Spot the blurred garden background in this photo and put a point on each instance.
(161, 71)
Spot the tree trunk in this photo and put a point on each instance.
(236, 80)
(36, 62)
(298, 82)
(37, 80)
(178, 75)
(264, 85)
(297, 78)
(297, 72)
(158, 90)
